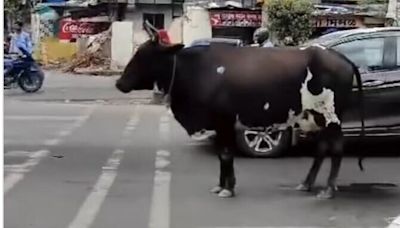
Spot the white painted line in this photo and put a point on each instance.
(160, 206)
(46, 118)
(88, 211)
(395, 223)
(130, 126)
(17, 153)
(51, 142)
(18, 173)
(162, 163)
(21, 142)
(164, 127)
(163, 153)
(64, 133)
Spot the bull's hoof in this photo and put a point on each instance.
(225, 193)
(216, 189)
(325, 194)
(303, 187)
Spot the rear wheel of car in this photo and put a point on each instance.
(262, 144)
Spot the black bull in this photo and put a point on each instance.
(217, 87)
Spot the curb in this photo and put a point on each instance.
(395, 223)
(97, 72)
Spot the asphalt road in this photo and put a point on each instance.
(99, 164)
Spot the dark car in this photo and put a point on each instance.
(208, 41)
(376, 51)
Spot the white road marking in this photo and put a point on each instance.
(162, 162)
(17, 153)
(45, 118)
(79, 121)
(88, 211)
(160, 204)
(51, 142)
(64, 133)
(164, 127)
(163, 153)
(25, 142)
(17, 172)
(131, 126)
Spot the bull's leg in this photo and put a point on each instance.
(313, 172)
(336, 147)
(227, 179)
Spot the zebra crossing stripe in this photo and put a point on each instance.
(17, 172)
(88, 211)
(160, 204)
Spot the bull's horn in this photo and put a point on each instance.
(150, 26)
(150, 29)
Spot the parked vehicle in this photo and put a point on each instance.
(208, 41)
(377, 53)
(23, 71)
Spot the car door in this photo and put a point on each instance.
(376, 58)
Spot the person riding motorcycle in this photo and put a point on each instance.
(20, 38)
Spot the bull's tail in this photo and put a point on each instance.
(360, 91)
(361, 109)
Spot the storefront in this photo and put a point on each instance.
(238, 23)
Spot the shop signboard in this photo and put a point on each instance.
(74, 28)
(337, 22)
(226, 18)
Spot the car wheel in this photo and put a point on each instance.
(262, 144)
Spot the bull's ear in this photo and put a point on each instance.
(172, 48)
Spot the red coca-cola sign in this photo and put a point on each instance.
(78, 28)
(72, 29)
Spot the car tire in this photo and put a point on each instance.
(263, 145)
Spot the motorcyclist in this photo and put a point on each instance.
(20, 39)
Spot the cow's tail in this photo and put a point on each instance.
(361, 109)
(360, 91)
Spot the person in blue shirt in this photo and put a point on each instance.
(20, 39)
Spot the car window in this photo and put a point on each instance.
(366, 54)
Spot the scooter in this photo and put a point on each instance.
(23, 71)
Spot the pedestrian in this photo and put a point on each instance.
(20, 39)
(261, 38)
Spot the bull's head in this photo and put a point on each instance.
(151, 63)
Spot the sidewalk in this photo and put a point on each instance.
(66, 87)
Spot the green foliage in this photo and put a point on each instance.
(17, 11)
(290, 21)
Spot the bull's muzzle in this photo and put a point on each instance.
(122, 87)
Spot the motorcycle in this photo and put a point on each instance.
(22, 70)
